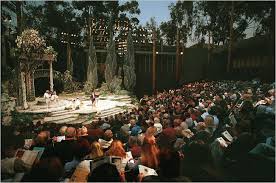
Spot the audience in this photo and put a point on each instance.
(179, 133)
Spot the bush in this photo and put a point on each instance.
(21, 118)
(115, 84)
(88, 88)
(68, 83)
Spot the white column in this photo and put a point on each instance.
(51, 77)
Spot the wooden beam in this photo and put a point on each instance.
(154, 62)
(177, 57)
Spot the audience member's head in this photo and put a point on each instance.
(105, 173)
(116, 149)
(62, 130)
(96, 150)
(150, 152)
(81, 148)
(71, 132)
(47, 170)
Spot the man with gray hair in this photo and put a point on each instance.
(63, 149)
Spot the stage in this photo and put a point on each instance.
(60, 112)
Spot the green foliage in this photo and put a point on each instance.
(115, 84)
(50, 51)
(30, 42)
(129, 65)
(92, 73)
(134, 101)
(91, 116)
(110, 63)
(125, 108)
(68, 83)
(88, 88)
(19, 119)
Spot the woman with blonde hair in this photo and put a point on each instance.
(116, 149)
(96, 150)
(209, 123)
(150, 153)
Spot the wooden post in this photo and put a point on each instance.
(69, 58)
(154, 62)
(51, 77)
(177, 57)
(209, 47)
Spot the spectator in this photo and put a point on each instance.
(116, 149)
(96, 151)
(63, 149)
(150, 153)
(47, 170)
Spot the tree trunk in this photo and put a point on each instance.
(69, 58)
(29, 85)
(230, 38)
(209, 47)
(4, 52)
(25, 104)
(17, 67)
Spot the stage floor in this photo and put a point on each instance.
(59, 112)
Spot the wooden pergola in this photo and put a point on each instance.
(37, 58)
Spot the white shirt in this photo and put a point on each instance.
(47, 95)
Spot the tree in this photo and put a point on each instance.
(92, 76)
(181, 14)
(110, 63)
(129, 65)
(51, 18)
(31, 46)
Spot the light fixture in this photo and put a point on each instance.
(156, 52)
(181, 53)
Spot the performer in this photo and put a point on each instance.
(93, 99)
(78, 102)
(47, 97)
(54, 97)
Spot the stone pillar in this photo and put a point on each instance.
(51, 76)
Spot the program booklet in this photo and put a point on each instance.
(60, 138)
(28, 143)
(27, 156)
(117, 161)
(147, 171)
(222, 141)
(227, 135)
(233, 120)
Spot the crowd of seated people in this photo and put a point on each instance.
(203, 131)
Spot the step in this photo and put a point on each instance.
(78, 121)
(55, 118)
(87, 122)
(60, 104)
(60, 113)
(42, 110)
(110, 111)
(112, 114)
(65, 121)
